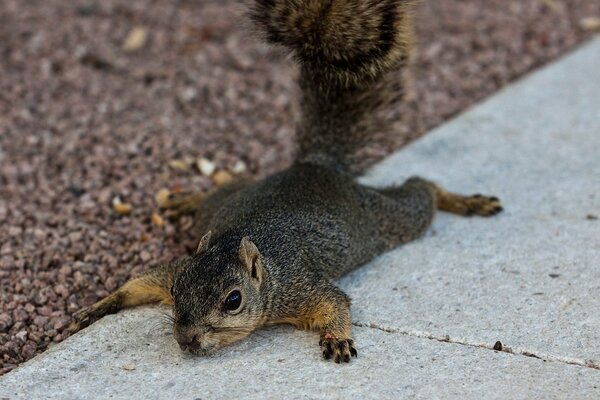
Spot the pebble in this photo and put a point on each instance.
(21, 336)
(145, 256)
(20, 315)
(40, 320)
(6, 322)
(206, 167)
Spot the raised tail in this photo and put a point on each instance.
(344, 48)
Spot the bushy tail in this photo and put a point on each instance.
(344, 49)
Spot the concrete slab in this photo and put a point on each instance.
(432, 309)
(129, 356)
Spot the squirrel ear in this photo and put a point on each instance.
(250, 258)
(203, 245)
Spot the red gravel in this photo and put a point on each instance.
(82, 121)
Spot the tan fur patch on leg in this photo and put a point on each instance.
(143, 290)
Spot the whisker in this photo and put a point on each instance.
(163, 322)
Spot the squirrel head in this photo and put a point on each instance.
(218, 296)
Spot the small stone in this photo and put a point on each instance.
(40, 299)
(40, 321)
(110, 284)
(28, 350)
(61, 290)
(39, 234)
(5, 322)
(145, 256)
(136, 39)
(60, 323)
(20, 315)
(21, 336)
(128, 367)
(45, 311)
(239, 167)
(498, 346)
(206, 167)
(14, 231)
(75, 237)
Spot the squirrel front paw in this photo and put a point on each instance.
(88, 315)
(80, 320)
(338, 349)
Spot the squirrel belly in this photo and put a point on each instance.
(271, 249)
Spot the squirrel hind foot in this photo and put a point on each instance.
(178, 204)
(477, 204)
(485, 206)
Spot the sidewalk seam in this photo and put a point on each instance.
(464, 342)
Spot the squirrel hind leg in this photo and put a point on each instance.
(417, 199)
(150, 288)
(402, 213)
(179, 204)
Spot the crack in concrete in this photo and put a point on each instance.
(498, 346)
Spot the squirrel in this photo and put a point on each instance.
(271, 249)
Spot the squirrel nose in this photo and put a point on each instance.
(187, 341)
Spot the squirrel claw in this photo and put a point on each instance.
(340, 350)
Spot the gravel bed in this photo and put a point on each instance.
(97, 98)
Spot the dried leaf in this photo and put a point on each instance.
(590, 23)
(157, 220)
(222, 177)
(180, 165)
(123, 208)
(162, 197)
(136, 39)
(120, 207)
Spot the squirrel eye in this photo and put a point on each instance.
(233, 301)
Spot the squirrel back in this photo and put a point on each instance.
(344, 49)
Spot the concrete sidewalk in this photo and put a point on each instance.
(427, 315)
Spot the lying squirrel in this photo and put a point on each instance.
(274, 247)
